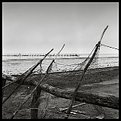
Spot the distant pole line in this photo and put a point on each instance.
(53, 55)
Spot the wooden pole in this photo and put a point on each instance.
(37, 86)
(24, 76)
(28, 96)
(36, 94)
(83, 73)
(35, 103)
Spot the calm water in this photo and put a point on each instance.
(19, 64)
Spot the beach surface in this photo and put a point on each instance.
(99, 81)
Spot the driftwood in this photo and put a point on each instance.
(64, 109)
(101, 100)
(104, 100)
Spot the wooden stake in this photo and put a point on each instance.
(35, 103)
(24, 76)
(83, 73)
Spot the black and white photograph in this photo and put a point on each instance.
(60, 60)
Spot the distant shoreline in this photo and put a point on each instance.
(49, 58)
(33, 57)
(64, 54)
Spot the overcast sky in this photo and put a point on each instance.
(38, 27)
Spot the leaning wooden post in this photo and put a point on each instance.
(24, 76)
(83, 73)
(35, 103)
(36, 95)
(35, 100)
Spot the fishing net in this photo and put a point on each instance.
(60, 66)
(54, 66)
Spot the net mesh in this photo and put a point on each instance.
(60, 66)
(90, 62)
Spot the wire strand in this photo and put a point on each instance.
(110, 46)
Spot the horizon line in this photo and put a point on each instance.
(55, 54)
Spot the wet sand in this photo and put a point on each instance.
(100, 81)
